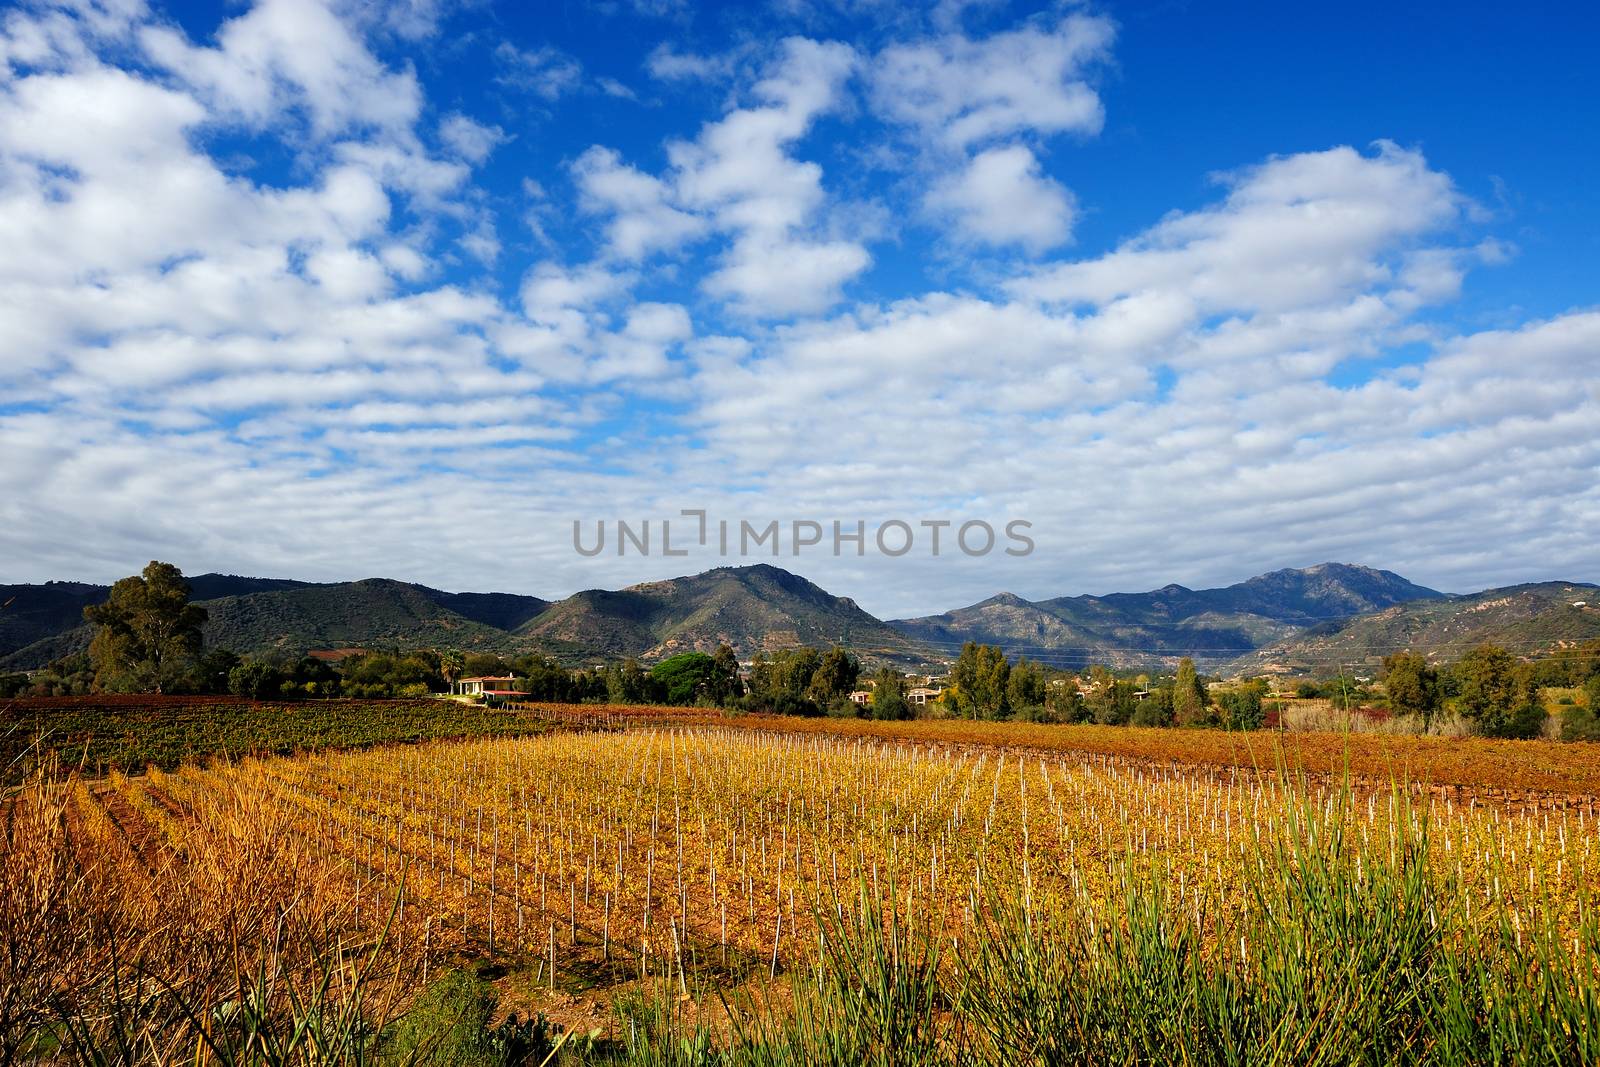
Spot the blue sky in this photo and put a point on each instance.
(340, 289)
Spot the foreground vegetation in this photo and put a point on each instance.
(736, 896)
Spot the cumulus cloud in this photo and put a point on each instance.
(968, 103)
(1293, 230)
(1002, 198)
(739, 179)
(964, 92)
(739, 171)
(148, 284)
(643, 217)
(668, 63)
(318, 369)
(469, 139)
(284, 54)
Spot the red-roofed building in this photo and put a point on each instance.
(486, 686)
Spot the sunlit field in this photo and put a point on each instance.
(706, 893)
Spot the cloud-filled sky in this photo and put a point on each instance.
(332, 289)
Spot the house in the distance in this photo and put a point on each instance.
(920, 695)
(861, 696)
(484, 687)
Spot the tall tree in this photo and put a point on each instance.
(793, 669)
(889, 695)
(725, 683)
(1496, 692)
(1188, 694)
(1063, 698)
(1025, 689)
(979, 677)
(147, 634)
(1412, 685)
(1113, 703)
(1155, 709)
(452, 664)
(1242, 705)
(627, 684)
(834, 677)
(687, 677)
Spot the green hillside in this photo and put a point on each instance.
(32, 613)
(1525, 619)
(1136, 629)
(274, 615)
(750, 608)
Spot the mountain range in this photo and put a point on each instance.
(1523, 618)
(751, 608)
(1132, 629)
(1313, 619)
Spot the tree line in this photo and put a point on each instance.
(985, 684)
(1499, 694)
(148, 639)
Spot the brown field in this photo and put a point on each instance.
(703, 852)
(1537, 771)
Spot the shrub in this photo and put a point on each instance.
(789, 704)
(445, 1026)
(1243, 707)
(1524, 723)
(1037, 713)
(1579, 724)
(1152, 713)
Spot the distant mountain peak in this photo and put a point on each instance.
(752, 607)
(1525, 619)
(1213, 625)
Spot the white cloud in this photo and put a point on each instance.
(549, 291)
(410, 20)
(738, 179)
(739, 171)
(770, 277)
(643, 220)
(471, 140)
(967, 102)
(1295, 230)
(315, 376)
(964, 92)
(612, 87)
(668, 64)
(284, 54)
(1003, 198)
(545, 71)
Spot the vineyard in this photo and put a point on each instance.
(128, 733)
(1535, 772)
(706, 892)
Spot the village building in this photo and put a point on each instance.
(486, 686)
